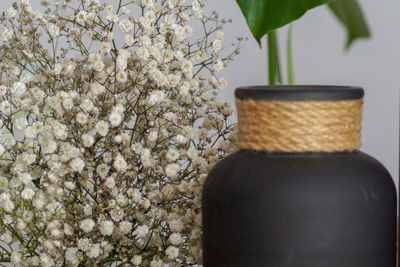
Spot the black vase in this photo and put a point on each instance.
(299, 209)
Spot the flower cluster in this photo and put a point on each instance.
(109, 124)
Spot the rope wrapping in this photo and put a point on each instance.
(299, 126)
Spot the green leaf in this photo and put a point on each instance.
(262, 16)
(349, 13)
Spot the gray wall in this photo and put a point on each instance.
(319, 58)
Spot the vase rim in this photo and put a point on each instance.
(299, 92)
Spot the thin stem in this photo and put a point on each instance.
(290, 57)
(273, 59)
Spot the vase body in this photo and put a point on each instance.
(311, 209)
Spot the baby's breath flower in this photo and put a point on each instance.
(122, 77)
(87, 225)
(172, 252)
(141, 231)
(77, 164)
(120, 163)
(115, 119)
(27, 193)
(125, 25)
(106, 227)
(100, 138)
(54, 30)
(102, 128)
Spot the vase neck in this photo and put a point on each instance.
(299, 126)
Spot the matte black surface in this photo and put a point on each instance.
(299, 93)
(299, 210)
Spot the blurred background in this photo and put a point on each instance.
(320, 58)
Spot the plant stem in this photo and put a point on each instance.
(273, 59)
(290, 68)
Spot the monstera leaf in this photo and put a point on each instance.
(349, 13)
(262, 16)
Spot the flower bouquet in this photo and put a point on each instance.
(109, 124)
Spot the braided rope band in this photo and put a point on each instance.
(299, 126)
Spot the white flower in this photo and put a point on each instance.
(94, 251)
(46, 261)
(153, 136)
(120, 163)
(171, 170)
(87, 105)
(18, 89)
(88, 140)
(122, 77)
(106, 227)
(82, 118)
(104, 48)
(102, 170)
(81, 17)
(129, 40)
(125, 227)
(6, 107)
(219, 35)
(172, 154)
(180, 139)
(77, 164)
(141, 231)
(54, 30)
(158, 77)
(3, 182)
(175, 239)
(217, 66)
(97, 89)
(125, 25)
(71, 255)
(16, 258)
(7, 139)
(27, 193)
(20, 121)
(69, 185)
(217, 45)
(187, 67)
(110, 183)
(176, 225)
(50, 147)
(11, 12)
(6, 238)
(6, 34)
(222, 83)
(68, 103)
(102, 128)
(156, 263)
(25, 178)
(136, 260)
(118, 108)
(30, 132)
(87, 225)
(197, 9)
(93, 57)
(172, 252)
(156, 97)
(98, 65)
(115, 119)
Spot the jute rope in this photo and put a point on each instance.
(299, 126)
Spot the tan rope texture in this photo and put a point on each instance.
(299, 126)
